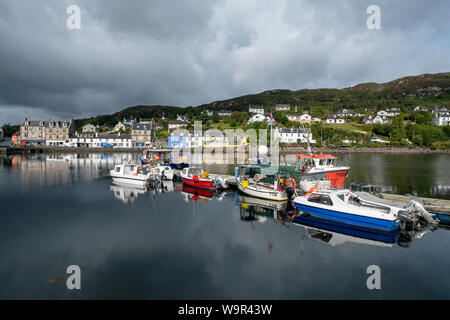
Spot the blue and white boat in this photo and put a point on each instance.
(348, 208)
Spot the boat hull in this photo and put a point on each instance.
(336, 177)
(349, 218)
(262, 194)
(130, 181)
(201, 183)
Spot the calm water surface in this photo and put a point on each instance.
(172, 243)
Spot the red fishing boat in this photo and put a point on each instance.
(322, 166)
(198, 178)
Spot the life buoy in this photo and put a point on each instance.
(290, 182)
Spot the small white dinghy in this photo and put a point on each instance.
(130, 173)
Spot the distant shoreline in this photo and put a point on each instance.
(367, 150)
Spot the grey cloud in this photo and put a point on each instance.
(193, 52)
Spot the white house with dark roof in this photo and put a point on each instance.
(282, 107)
(256, 109)
(177, 124)
(89, 128)
(442, 120)
(225, 113)
(294, 135)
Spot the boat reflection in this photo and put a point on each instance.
(334, 232)
(195, 194)
(126, 193)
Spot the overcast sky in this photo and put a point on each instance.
(192, 52)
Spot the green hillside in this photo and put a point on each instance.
(426, 89)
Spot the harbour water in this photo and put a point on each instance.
(176, 243)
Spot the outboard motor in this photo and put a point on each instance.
(406, 221)
(220, 181)
(416, 207)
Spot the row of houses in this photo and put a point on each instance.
(216, 138)
(63, 133)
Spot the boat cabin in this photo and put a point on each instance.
(337, 199)
(316, 160)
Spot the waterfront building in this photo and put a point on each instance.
(49, 132)
(15, 139)
(142, 135)
(1, 134)
(207, 139)
(102, 140)
(58, 132)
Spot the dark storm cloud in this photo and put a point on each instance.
(192, 52)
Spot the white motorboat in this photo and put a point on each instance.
(346, 207)
(164, 170)
(130, 173)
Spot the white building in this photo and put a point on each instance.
(182, 117)
(209, 113)
(305, 118)
(98, 141)
(293, 117)
(225, 113)
(258, 118)
(292, 135)
(334, 121)
(177, 124)
(442, 120)
(420, 108)
(282, 107)
(256, 109)
(388, 113)
(375, 119)
(89, 128)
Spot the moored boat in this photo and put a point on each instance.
(130, 173)
(321, 166)
(251, 181)
(346, 207)
(198, 178)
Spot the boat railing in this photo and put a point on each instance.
(369, 204)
